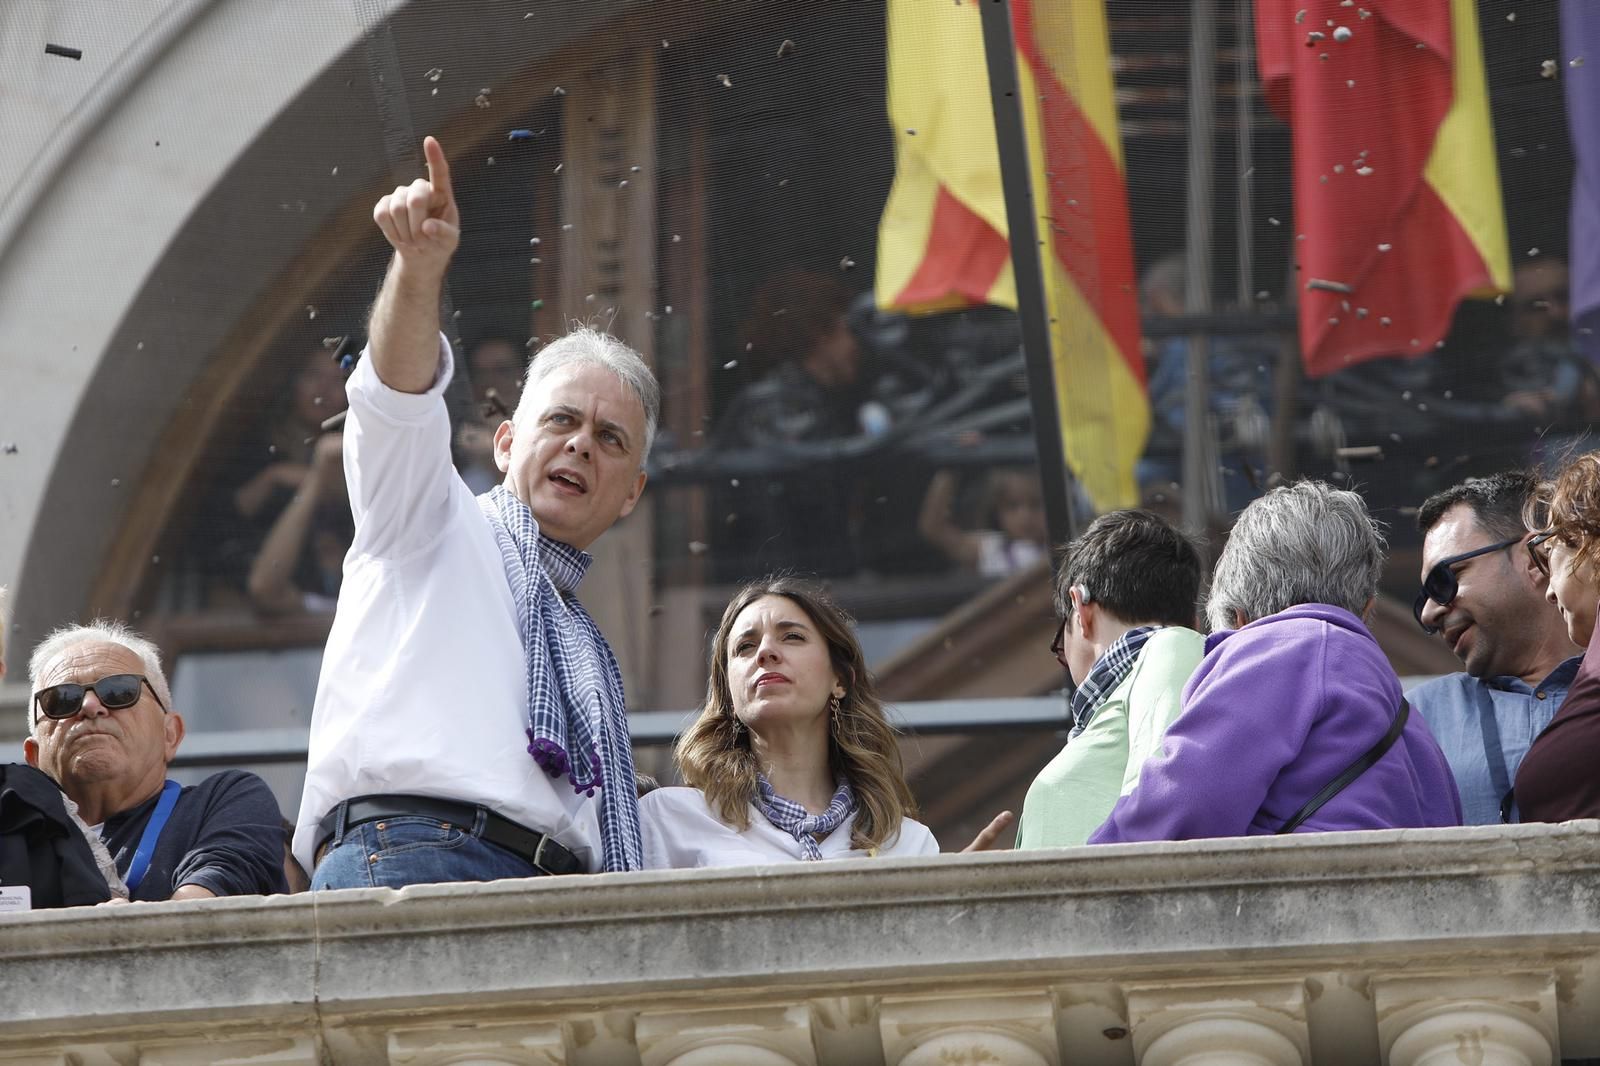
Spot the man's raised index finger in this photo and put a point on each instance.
(438, 168)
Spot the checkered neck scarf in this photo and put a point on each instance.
(1105, 675)
(577, 717)
(800, 823)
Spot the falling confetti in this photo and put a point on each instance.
(1300, 16)
(63, 51)
(1313, 37)
(1384, 247)
(482, 100)
(9, 448)
(730, 364)
(1342, 34)
(434, 74)
(1328, 286)
(698, 547)
(1548, 69)
(786, 49)
(1577, 61)
(1363, 171)
(727, 82)
(311, 313)
(520, 135)
(847, 263)
(533, 242)
(537, 304)
(559, 91)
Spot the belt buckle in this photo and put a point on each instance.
(538, 855)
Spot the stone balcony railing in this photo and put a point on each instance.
(1466, 946)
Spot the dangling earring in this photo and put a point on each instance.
(833, 705)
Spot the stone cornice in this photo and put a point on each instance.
(1364, 906)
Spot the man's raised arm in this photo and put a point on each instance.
(422, 225)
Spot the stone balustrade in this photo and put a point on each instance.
(1478, 946)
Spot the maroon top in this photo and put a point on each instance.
(1559, 778)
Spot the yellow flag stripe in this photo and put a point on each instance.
(1462, 168)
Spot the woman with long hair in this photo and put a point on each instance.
(1557, 779)
(791, 758)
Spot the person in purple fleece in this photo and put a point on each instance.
(1292, 690)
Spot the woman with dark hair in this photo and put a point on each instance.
(791, 757)
(1557, 780)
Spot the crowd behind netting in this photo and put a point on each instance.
(470, 722)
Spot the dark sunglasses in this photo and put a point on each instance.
(1441, 586)
(114, 691)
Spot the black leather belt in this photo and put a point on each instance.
(542, 850)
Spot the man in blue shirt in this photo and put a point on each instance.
(1483, 594)
(101, 726)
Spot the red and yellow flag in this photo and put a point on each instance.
(942, 241)
(1396, 190)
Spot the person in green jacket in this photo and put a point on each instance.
(1126, 593)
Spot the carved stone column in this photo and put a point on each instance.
(488, 1045)
(757, 1036)
(1010, 1030)
(1220, 1025)
(1489, 1020)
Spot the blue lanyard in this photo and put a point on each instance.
(152, 833)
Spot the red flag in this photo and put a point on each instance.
(1397, 196)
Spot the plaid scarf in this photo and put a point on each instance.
(801, 823)
(577, 717)
(1106, 674)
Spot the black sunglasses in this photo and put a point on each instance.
(114, 691)
(1441, 586)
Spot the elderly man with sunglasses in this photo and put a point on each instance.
(1483, 592)
(101, 725)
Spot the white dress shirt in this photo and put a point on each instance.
(682, 832)
(423, 688)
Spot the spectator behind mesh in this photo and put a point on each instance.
(803, 519)
(1484, 594)
(496, 368)
(1556, 780)
(291, 507)
(1291, 697)
(1011, 536)
(100, 725)
(1126, 592)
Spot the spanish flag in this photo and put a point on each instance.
(942, 241)
(1396, 189)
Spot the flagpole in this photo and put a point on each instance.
(1201, 490)
(1033, 310)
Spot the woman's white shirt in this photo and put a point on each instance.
(682, 832)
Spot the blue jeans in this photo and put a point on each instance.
(395, 852)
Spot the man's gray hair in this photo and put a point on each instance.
(100, 631)
(588, 346)
(1303, 543)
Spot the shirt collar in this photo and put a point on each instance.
(1106, 674)
(1561, 677)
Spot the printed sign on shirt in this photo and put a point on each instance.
(15, 899)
